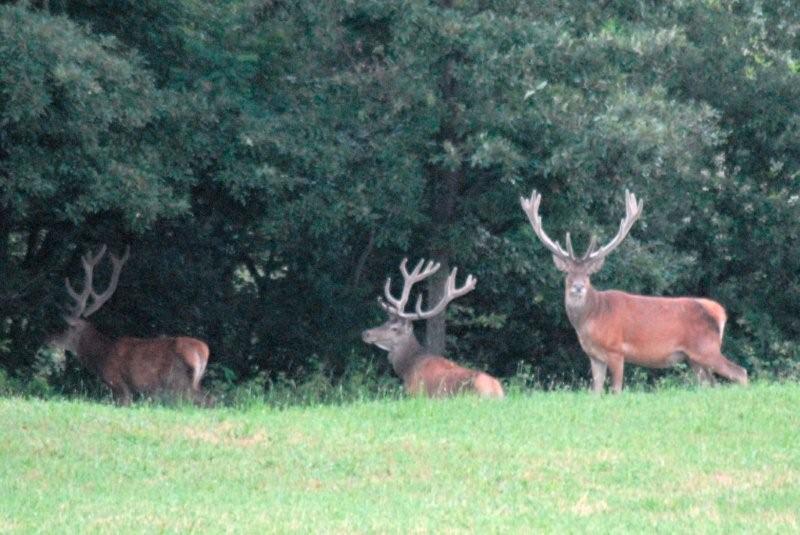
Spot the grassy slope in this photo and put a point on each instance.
(703, 460)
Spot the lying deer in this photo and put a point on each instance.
(129, 365)
(615, 327)
(424, 372)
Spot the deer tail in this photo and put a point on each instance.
(487, 386)
(716, 311)
(195, 354)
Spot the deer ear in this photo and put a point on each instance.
(561, 264)
(593, 266)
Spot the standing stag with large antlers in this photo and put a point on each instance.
(615, 327)
(424, 372)
(129, 365)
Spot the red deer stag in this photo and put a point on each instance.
(615, 327)
(129, 365)
(422, 371)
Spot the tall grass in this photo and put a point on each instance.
(699, 460)
(54, 376)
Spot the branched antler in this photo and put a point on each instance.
(531, 208)
(397, 306)
(81, 308)
(633, 210)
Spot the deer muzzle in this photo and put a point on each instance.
(368, 336)
(577, 290)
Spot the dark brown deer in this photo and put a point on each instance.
(129, 365)
(616, 327)
(422, 371)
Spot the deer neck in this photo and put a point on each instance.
(405, 356)
(93, 348)
(580, 311)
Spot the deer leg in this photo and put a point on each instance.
(598, 374)
(727, 369)
(715, 361)
(196, 395)
(202, 399)
(121, 394)
(704, 376)
(616, 364)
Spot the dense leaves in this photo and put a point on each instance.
(270, 163)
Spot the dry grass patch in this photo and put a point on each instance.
(227, 434)
(586, 506)
(740, 481)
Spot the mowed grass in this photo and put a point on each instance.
(699, 460)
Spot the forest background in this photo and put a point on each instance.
(271, 162)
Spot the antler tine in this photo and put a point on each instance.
(570, 250)
(450, 293)
(88, 261)
(417, 274)
(531, 208)
(404, 270)
(633, 210)
(386, 306)
(79, 298)
(98, 300)
(591, 248)
(92, 261)
(414, 272)
(391, 301)
(72, 293)
(409, 279)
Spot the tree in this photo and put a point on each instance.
(78, 154)
(271, 162)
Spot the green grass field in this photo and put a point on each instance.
(699, 460)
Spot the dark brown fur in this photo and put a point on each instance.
(149, 366)
(128, 365)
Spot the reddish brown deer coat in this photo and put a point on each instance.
(424, 372)
(129, 365)
(143, 365)
(438, 377)
(616, 327)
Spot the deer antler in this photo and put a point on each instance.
(397, 306)
(98, 300)
(450, 293)
(531, 208)
(633, 210)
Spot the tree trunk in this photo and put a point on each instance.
(436, 327)
(447, 183)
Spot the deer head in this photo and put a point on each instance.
(81, 309)
(579, 269)
(398, 331)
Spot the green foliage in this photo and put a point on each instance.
(75, 110)
(271, 162)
